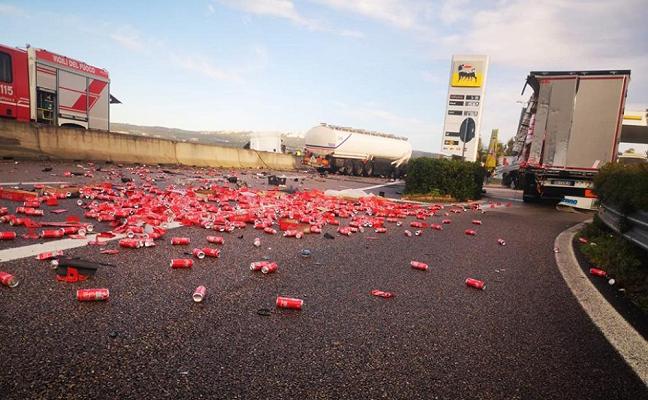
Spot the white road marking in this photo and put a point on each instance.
(63, 244)
(379, 186)
(32, 183)
(621, 335)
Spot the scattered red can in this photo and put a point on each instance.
(407, 233)
(257, 265)
(52, 233)
(7, 235)
(49, 255)
(270, 268)
(216, 239)
(381, 230)
(476, 283)
(419, 265)
(476, 222)
(470, 232)
(501, 242)
(598, 272)
(130, 243)
(93, 294)
(180, 241)
(198, 253)
(436, 227)
(199, 294)
(289, 302)
(269, 231)
(181, 263)
(380, 293)
(583, 240)
(209, 252)
(315, 229)
(446, 221)
(257, 242)
(8, 279)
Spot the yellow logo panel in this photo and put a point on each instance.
(467, 74)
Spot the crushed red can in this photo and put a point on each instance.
(93, 294)
(380, 293)
(7, 235)
(49, 255)
(130, 243)
(198, 253)
(289, 302)
(180, 241)
(209, 252)
(598, 272)
(270, 268)
(419, 265)
(216, 239)
(476, 283)
(8, 280)
(257, 265)
(177, 263)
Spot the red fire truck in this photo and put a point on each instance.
(44, 87)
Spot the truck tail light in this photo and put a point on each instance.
(589, 193)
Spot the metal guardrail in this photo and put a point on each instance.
(633, 227)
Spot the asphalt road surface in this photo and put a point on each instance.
(523, 337)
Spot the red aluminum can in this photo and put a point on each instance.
(476, 283)
(180, 240)
(598, 272)
(501, 242)
(8, 280)
(407, 233)
(17, 221)
(381, 230)
(419, 265)
(93, 294)
(476, 222)
(52, 233)
(269, 268)
(436, 227)
(181, 263)
(257, 242)
(470, 232)
(289, 302)
(34, 212)
(199, 294)
(269, 231)
(130, 243)
(49, 255)
(198, 253)
(418, 232)
(446, 221)
(583, 240)
(209, 252)
(315, 229)
(216, 239)
(257, 265)
(7, 235)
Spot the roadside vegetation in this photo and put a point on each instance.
(442, 179)
(623, 186)
(623, 261)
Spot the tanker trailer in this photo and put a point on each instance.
(357, 152)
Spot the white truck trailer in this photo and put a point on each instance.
(356, 151)
(569, 129)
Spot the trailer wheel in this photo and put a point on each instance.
(368, 168)
(347, 167)
(530, 192)
(357, 168)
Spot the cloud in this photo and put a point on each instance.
(11, 10)
(204, 67)
(286, 9)
(400, 13)
(128, 38)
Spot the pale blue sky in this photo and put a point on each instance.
(289, 64)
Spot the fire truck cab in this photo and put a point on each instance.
(44, 87)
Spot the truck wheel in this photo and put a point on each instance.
(357, 168)
(368, 169)
(530, 193)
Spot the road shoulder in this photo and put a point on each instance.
(621, 335)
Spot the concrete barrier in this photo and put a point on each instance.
(34, 141)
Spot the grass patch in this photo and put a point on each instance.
(622, 260)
